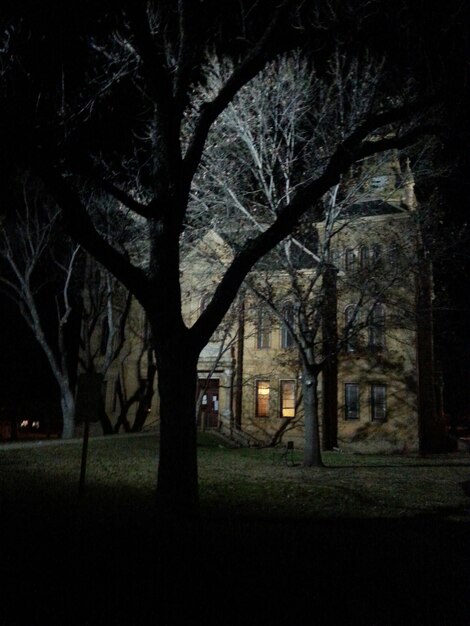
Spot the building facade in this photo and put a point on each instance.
(364, 274)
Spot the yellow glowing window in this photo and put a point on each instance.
(262, 398)
(287, 398)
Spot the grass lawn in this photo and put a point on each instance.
(386, 537)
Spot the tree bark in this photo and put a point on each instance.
(330, 367)
(177, 485)
(312, 445)
(67, 404)
(432, 432)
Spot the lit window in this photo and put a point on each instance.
(351, 401)
(262, 398)
(287, 398)
(378, 402)
(263, 330)
(377, 328)
(287, 341)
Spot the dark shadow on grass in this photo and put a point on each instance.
(111, 565)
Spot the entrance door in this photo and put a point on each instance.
(208, 414)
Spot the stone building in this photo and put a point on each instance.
(376, 385)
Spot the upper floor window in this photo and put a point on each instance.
(287, 340)
(262, 398)
(364, 257)
(377, 327)
(377, 254)
(263, 330)
(350, 260)
(378, 402)
(351, 401)
(287, 398)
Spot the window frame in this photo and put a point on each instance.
(286, 339)
(374, 404)
(282, 382)
(258, 382)
(350, 260)
(263, 330)
(347, 416)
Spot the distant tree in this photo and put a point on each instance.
(35, 260)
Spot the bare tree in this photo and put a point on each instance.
(105, 315)
(271, 139)
(27, 241)
(150, 163)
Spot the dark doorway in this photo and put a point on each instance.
(208, 392)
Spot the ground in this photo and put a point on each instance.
(394, 552)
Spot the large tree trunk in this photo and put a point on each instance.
(330, 367)
(177, 485)
(312, 445)
(432, 432)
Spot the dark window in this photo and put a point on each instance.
(364, 257)
(377, 328)
(287, 398)
(377, 254)
(350, 260)
(262, 398)
(378, 402)
(287, 341)
(263, 330)
(351, 401)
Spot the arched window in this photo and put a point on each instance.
(377, 327)
(287, 340)
(263, 330)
